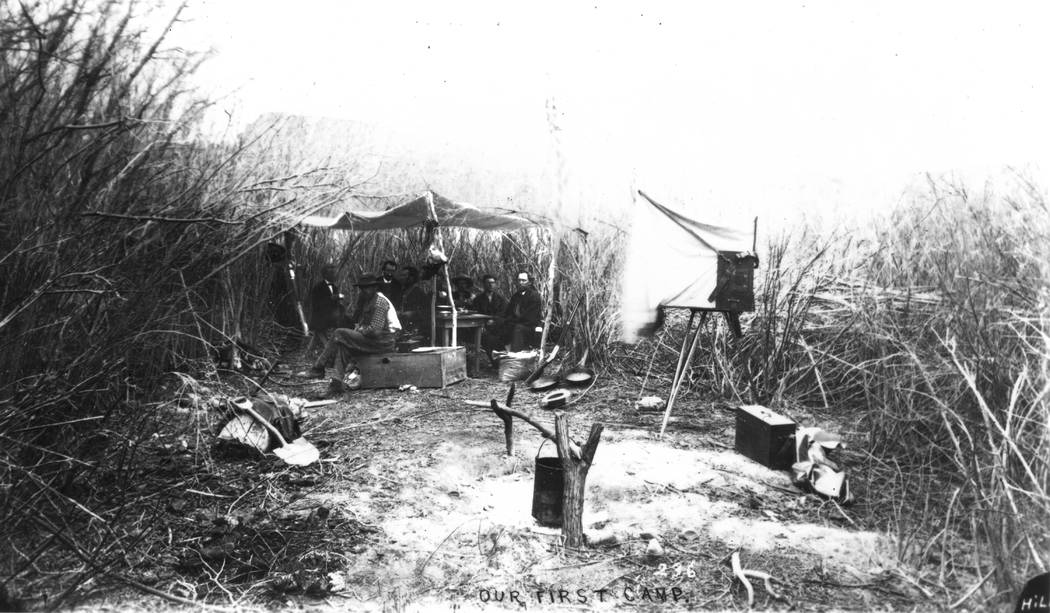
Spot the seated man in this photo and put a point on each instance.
(414, 310)
(463, 292)
(489, 302)
(389, 286)
(523, 315)
(376, 332)
(326, 307)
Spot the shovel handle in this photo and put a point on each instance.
(542, 365)
(266, 424)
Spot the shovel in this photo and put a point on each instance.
(299, 452)
(539, 369)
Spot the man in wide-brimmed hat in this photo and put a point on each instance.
(375, 332)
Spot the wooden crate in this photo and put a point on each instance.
(436, 368)
(766, 437)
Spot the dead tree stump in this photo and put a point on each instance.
(575, 470)
(575, 461)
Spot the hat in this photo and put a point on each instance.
(463, 278)
(366, 279)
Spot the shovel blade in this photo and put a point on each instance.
(299, 452)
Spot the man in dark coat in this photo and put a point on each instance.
(388, 285)
(489, 302)
(414, 310)
(523, 315)
(326, 307)
(463, 293)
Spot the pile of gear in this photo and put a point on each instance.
(814, 469)
(269, 425)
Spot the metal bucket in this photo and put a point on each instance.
(547, 490)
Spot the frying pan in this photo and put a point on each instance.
(543, 384)
(581, 375)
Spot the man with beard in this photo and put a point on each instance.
(523, 315)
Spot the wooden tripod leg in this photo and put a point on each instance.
(683, 369)
(682, 351)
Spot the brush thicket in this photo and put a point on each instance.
(128, 250)
(931, 335)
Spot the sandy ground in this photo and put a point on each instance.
(449, 526)
(456, 515)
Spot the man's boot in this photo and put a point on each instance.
(336, 388)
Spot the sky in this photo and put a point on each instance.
(722, 108)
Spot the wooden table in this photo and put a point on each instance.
(464, 321)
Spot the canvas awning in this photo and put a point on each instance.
(433, 210)
(418, 211)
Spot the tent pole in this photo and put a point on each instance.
(448, 281)
(684, 369)
(451, 303)
(433, 310)
(433, 280)
(551, 270)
